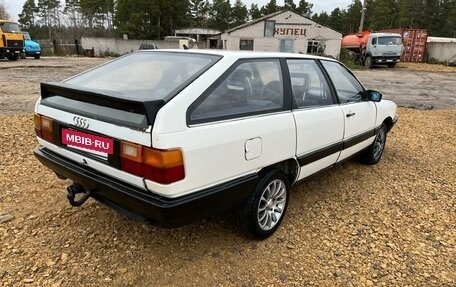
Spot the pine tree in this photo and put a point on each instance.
(434, 15)
(173, 15)
(49, 12)
(220, 13)
(323, 18)
(239, 13)
(353, 17)
(73, 10)
(381, 14)
(150, 19)
(91, 11)
(270, 8)
(138, 19)
(289, 4)
(449, 19)
(28, 14)
(410, 13)
(337, 19)
(305, 8)
(254, 12)
(199, 10)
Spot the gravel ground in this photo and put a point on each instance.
(424, 67)
(393, 224)
(20, 80)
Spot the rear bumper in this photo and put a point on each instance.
(144, 205)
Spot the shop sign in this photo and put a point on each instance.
(291, 31)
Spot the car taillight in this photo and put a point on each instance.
(162, 166)
(43, 127)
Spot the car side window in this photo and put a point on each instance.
(347, 86)
(252, 87)
(308, 84)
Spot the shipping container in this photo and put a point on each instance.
(414, 41)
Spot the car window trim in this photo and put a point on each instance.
(286, 100)
(332, 91)
(190, 80)
(332, 84)
(329, 81)
(244, 117)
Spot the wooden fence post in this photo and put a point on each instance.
(54, 42)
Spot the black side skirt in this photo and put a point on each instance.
(324, 152)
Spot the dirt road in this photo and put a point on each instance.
(20, 80)
(393, 224)
(413, 89)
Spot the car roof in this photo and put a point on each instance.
(239, 54)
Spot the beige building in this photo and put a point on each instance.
(284, 31)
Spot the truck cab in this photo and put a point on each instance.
(12, 40)
(31, 48)
(383, 49)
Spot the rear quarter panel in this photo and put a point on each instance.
(215, 152)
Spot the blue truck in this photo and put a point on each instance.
(31, 48)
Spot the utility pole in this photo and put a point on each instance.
(361, 23)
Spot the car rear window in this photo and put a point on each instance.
(147, 74)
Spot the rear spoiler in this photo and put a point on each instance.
(103, 98)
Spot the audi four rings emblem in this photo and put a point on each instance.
(81, 122)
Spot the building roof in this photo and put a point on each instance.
(255, 21)
(270, 16)
(197, 31)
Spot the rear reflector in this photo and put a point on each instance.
(162, 166)
(37, 122)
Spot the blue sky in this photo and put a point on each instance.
(14, 7)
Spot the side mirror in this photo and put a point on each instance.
(373, 96)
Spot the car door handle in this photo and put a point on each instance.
(350, 115)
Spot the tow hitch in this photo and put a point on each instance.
(74, 189)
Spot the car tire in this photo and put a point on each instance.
(23, 56)
(265, 208)
(37, 57)
(374, 152)
(391, 65)
(368, 63)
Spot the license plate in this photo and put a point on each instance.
(92, 143)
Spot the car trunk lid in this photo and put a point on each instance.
(105, 105)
